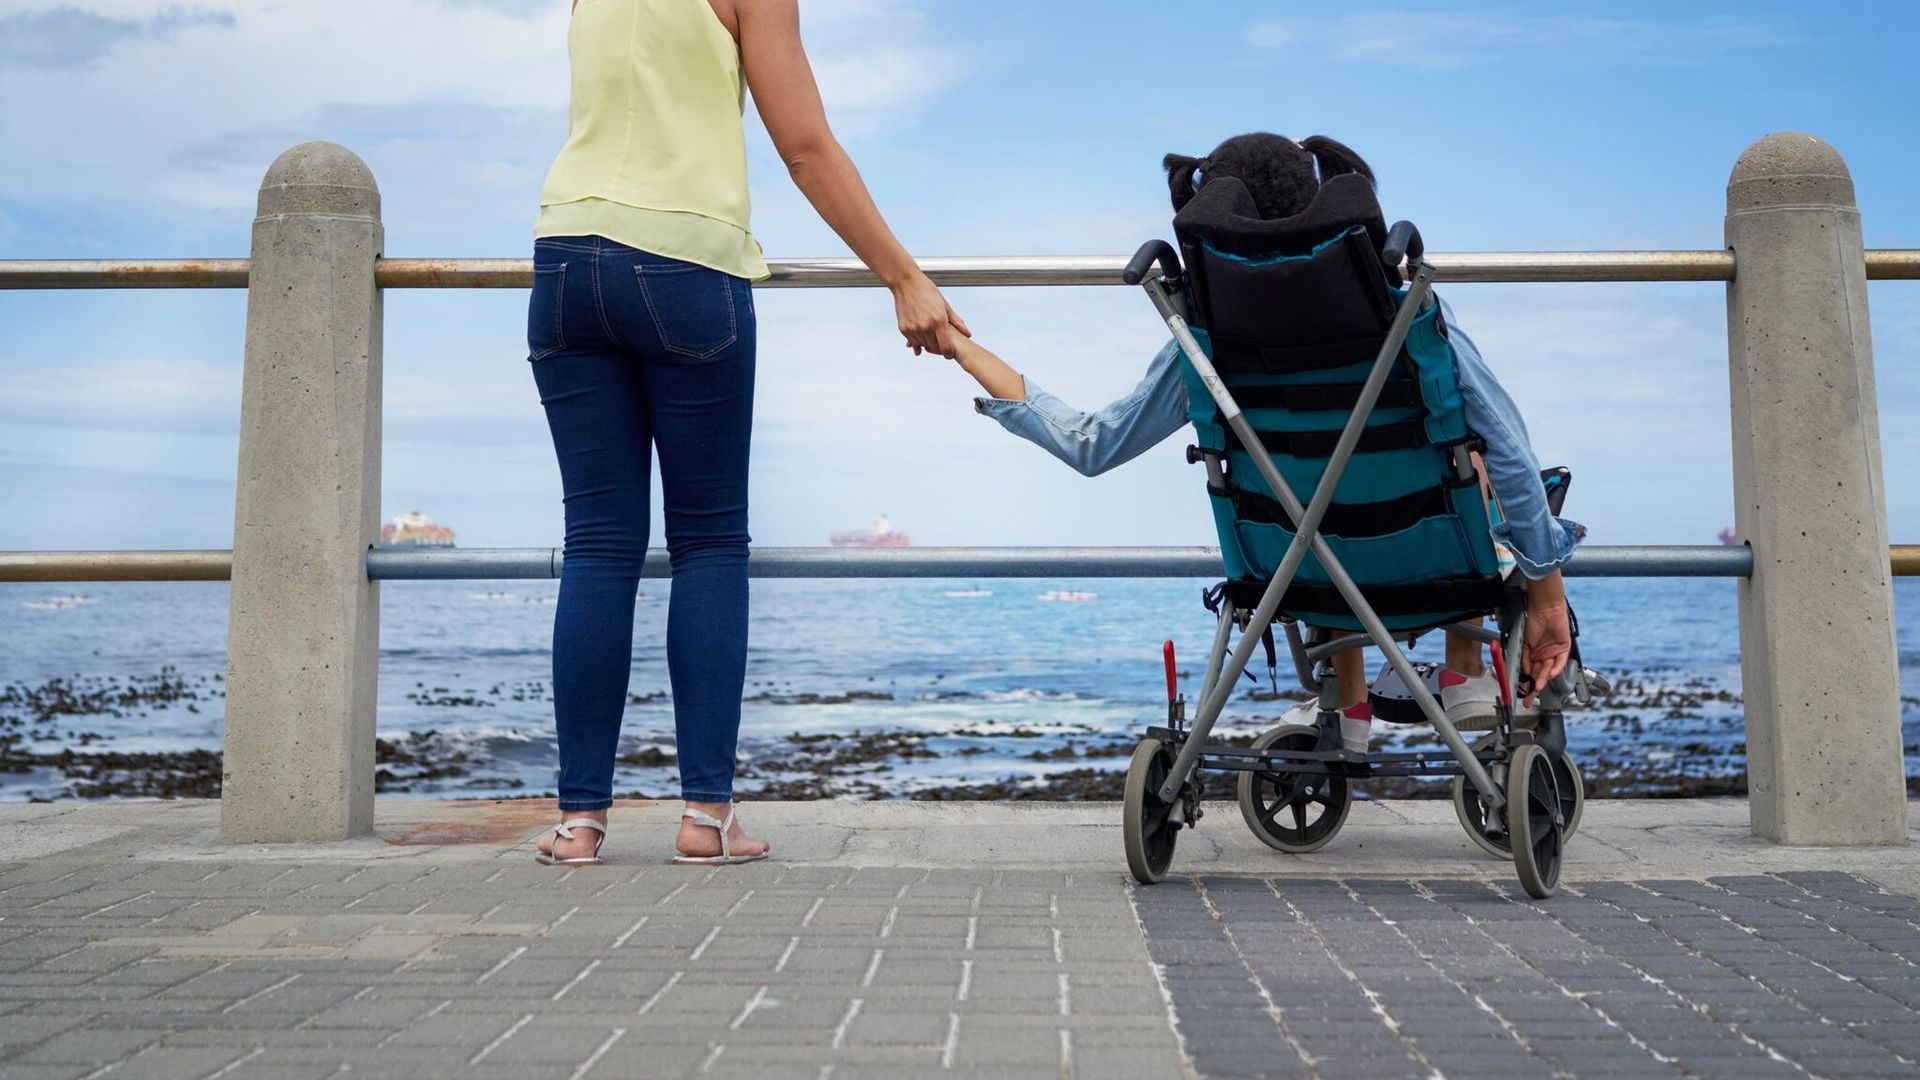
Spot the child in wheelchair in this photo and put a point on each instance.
(1283, 177)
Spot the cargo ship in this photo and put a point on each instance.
(415, 530)
(881, 535)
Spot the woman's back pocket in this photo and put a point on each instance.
(546, 312)
(693, 308)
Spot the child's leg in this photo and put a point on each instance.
(1464, 655)
(1350, 667)
(1356, 713)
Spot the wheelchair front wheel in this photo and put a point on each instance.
(1295, 813)
(1150, 826)
(1466, 802)
(1536, 822)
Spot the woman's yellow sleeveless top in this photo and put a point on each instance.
(656, 153)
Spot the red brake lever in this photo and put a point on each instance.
(1173, 680)
(1500, 673)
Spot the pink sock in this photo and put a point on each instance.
(1362, 711)
(1450, 678)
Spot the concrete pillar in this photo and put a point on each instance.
(303, 629)
(1817, 649)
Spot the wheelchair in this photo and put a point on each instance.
(1313, 363)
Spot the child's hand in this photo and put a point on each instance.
(1548, 643)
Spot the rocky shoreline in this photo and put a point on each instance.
(1647, 707)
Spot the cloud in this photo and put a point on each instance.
(878, 62)
(185, 396)
(1441, 40)
(68, 37)
(1272, 33)
(520, 9)
(459, 105)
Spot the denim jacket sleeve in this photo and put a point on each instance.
(1540, 542)
(1094, 442)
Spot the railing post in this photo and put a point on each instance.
(1817, 655)
(303, 628)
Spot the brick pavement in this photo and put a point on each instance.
(166, 955)
(265, 969)
(1796, 974)
(419, 970)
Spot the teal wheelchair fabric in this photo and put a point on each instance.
(1411, 534)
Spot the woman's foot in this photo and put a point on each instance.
(585, 842)
(703, 841)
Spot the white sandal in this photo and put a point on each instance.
(564, 831)
(726, 856)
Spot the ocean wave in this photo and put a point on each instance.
(476, 737)
(1019, 696)
(848, 697)
(59, 603)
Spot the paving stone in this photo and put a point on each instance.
(92, 1044)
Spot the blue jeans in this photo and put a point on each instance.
(634, 351)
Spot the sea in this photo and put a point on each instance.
(855, 689)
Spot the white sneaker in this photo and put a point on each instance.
(1466, 698)
(1356, 724)
(1356, 728)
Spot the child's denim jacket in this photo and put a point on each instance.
(1095, 442)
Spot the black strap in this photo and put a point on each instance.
(1400, 435)
(1273, 659)
(1235, 354)
(1455, 598)
(1353, 521)
(1211, 599)
(1325, 397)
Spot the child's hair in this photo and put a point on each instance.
(1278, 172)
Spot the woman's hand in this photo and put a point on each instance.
(927, 321)
(1548, 643)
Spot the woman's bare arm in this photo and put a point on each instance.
(788, 98)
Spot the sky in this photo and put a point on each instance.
(135, 128)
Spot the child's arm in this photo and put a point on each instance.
(994, 375)
(1093, 442)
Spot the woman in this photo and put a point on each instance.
(641, 334)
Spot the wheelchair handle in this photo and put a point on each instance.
(1143, 260)
(1403, 242)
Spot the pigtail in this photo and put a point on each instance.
(1180, 174)
(1335, 158)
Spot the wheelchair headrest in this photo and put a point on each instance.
(1223, 216)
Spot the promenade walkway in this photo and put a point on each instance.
(898, 940)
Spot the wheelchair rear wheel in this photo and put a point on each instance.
(1535, 820)
(1466, 802)
(1150, 826)
(1297, 813)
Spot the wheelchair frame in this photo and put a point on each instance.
(1516, 782)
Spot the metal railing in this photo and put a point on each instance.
(499, 564)
(303, 650)
(1485, 267)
